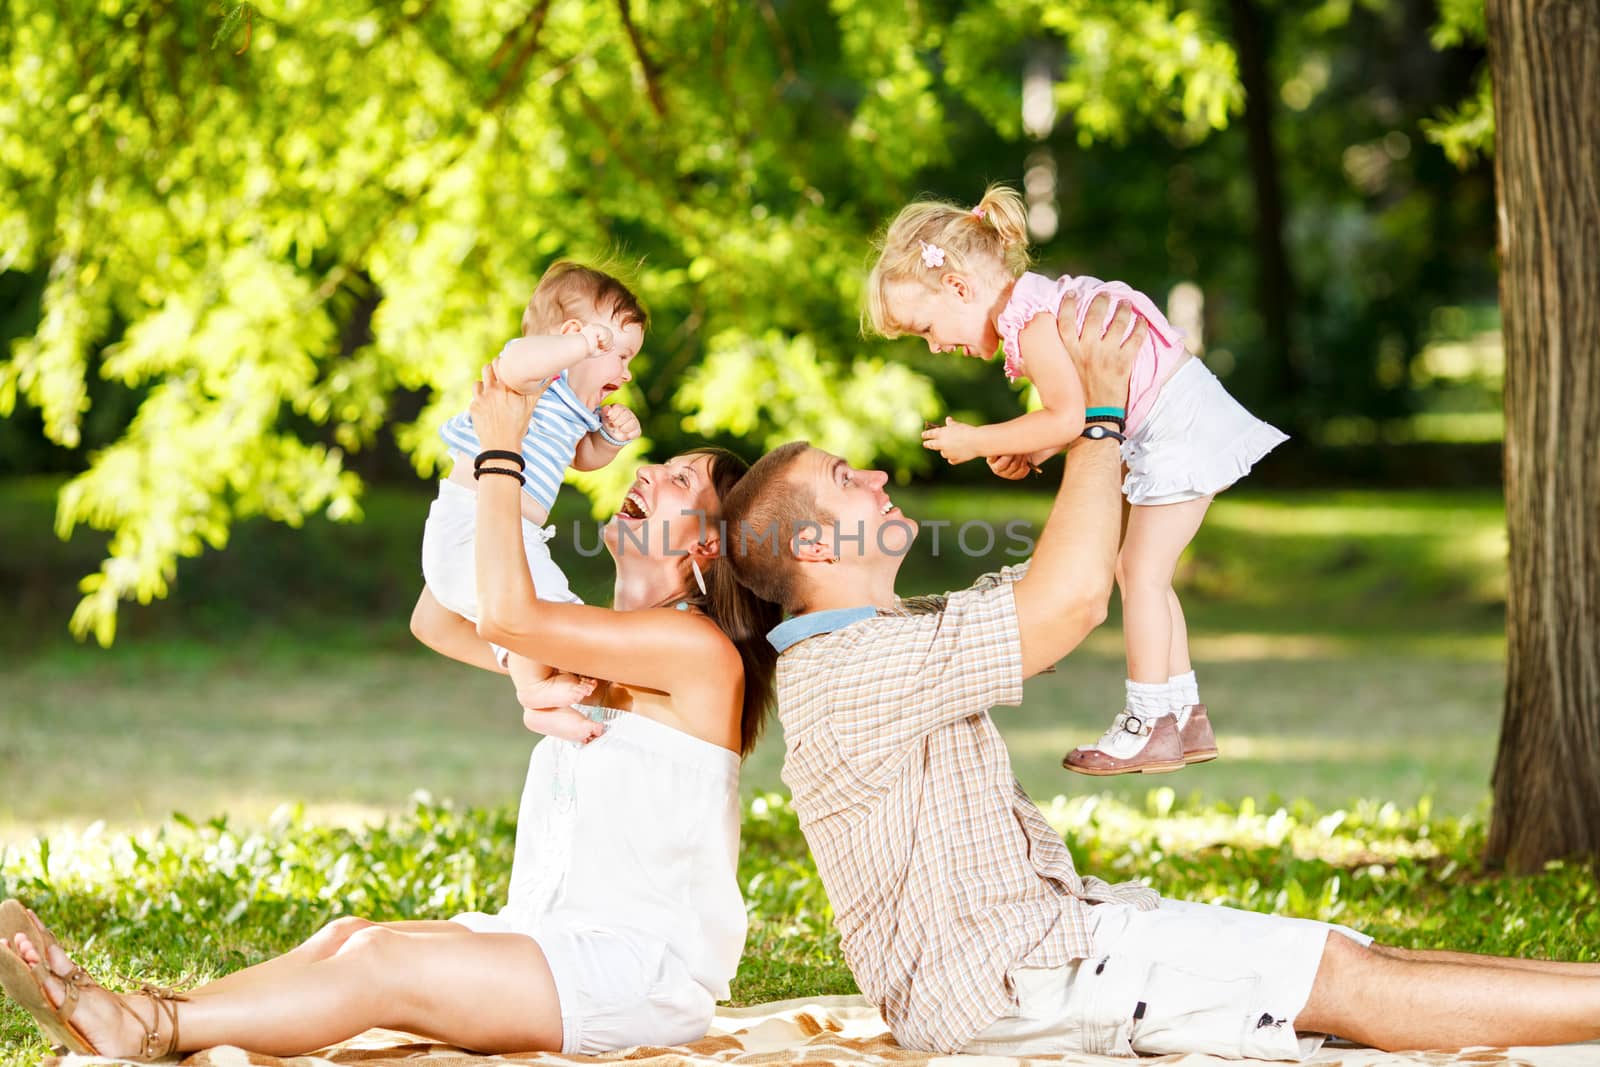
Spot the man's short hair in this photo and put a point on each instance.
(571, 290)
(764, 514)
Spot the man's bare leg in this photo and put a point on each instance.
(1471, 959)
(1392, 1002)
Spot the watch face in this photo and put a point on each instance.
(1094, 431)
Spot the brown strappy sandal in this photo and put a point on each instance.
(26, 985)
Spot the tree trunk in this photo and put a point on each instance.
(1545, 56)
(1252, 38)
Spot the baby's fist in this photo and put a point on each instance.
(620, 422)
(599, 337)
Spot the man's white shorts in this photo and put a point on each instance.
(1184, 978)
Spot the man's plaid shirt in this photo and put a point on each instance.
(943, 875)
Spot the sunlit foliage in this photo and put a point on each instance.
(267, 220)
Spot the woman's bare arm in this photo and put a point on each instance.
(661, 648)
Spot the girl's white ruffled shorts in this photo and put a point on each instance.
(1196, 441)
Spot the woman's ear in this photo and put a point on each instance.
(710, 548)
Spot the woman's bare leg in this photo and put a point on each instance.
(319, 946)
(1392, 1002)
(489, 992)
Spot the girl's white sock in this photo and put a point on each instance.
(1149, 700)
(1185, 690)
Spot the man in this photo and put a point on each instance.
(960, 913)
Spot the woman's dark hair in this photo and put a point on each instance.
(739, 613)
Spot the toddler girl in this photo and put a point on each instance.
(958, 279)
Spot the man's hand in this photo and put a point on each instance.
(955, 441)
(1012, 468)
(1105, 349)
(620, 422)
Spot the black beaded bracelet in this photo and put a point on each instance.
(499, 453)
(1119, 422)
(481, 471)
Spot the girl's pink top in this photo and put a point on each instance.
(1158, 357)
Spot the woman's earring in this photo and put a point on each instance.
(699, 578)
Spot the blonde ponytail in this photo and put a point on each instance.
(931, 238)
(1001, 207)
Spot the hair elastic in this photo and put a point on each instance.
(481, 471)
(499, 453)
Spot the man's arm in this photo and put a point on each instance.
(1064, 594)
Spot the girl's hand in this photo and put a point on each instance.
(620, 422)
(499, 413)
(598, 336)
(1011, 468)
(955, 441)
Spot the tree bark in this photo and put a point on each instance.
(1275, 295)
(1545, 57)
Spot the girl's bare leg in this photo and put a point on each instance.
(1178, 651)
(1156, 537)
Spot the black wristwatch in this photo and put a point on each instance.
(1099, 431)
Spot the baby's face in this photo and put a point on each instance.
(951, 318)
(597, 378)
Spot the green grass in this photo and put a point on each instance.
(185, 903)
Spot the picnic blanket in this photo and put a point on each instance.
(833, 1030)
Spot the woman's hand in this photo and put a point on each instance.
(500, 414)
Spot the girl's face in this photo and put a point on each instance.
(667, 509)
(955, 317)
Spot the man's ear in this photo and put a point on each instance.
(817, 551)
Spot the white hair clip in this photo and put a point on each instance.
(932, 255)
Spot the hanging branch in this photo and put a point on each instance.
(652, 72)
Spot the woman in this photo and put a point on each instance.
(625, 921)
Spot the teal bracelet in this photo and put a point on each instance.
(1114, 413)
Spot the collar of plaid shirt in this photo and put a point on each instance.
(792, 631)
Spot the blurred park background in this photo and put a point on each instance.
(252, 255)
